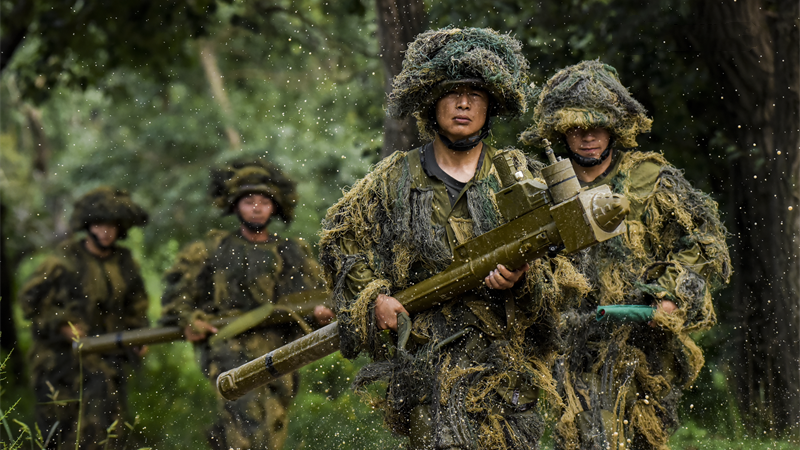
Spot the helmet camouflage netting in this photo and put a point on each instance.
(453, 54)
(107, 205)
(586, 95)
(238, 179)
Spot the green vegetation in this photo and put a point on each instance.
(303, 84)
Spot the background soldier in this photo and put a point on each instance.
(229, 273)
(94, 285)
(471, 374)
(622, 382)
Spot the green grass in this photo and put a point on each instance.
(327, 415)
(174, 404)
(692, 437)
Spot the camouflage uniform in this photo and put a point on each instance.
(471, 372)
(224, 275)
(622, 382)
(105, 294)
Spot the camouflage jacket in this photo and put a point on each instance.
(72, 285)
(224, 275)
(396, 227)
(674, 247)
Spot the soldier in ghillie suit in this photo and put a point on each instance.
(470, 375)
(621, 382)
(233, 272)
(89, 286)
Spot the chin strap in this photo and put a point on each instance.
(591, 162)
(466, 144)
(252, 226)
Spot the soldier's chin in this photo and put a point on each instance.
(255, 226)
(101, 243)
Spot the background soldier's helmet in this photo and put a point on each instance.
(107, 205)
(438, 59)
(238, 179)
(586, 95)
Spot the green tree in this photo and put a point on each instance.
(50, 44)
(121, 93)
(78, 43)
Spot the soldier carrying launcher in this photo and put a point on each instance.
(437, 232)
(622, 380)
(230, 273)
(88, 286)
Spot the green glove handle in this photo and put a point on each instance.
(625, 313)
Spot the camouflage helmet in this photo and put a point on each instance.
(439, 59)
(230, 183)
(107, 205)
(586, 95)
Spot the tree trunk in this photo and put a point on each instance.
(8, 336)
(208, 59)
(15, 30)
(41, 155)
(752, 50)
(399, 22)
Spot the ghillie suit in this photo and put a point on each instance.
(473, 365)
(471, 374)
(225, 274)
(103, 295)
(621, 383)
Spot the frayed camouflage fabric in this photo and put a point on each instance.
(452, 54)
(105, 295)
(394, 228)
(622, 383)
(586, 95)
(225, 275)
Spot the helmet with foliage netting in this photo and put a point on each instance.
(439, 59)
(238, 179)
(586, 95)
(107, 205)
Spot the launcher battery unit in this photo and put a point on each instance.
(542, 219)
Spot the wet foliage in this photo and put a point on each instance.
(99, 94)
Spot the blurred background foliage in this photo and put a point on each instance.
(147, 96)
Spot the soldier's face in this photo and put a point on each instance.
(106, 233)
(461, 113)
(588, 142)
(255, 208)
